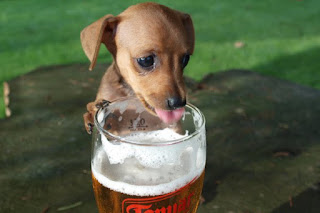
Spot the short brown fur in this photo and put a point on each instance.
(139, 31)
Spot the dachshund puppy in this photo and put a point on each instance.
(151, 45)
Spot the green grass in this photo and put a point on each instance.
(282, 38)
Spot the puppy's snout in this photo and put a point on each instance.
(176, 102)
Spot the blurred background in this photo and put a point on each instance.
(276, 38)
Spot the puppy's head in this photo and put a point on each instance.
(151, 45)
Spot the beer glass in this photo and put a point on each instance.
(143, 165)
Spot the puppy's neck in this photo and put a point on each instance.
(119, 81)
(114, 68)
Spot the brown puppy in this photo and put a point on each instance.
(151, 45)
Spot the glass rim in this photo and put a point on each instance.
(135, 142)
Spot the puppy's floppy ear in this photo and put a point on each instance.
(100, 31)
(187, 21)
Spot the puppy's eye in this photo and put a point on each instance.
(185, 60)
(146, 62)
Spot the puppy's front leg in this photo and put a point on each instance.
(92, 108)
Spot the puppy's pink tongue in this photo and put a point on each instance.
(170, 116)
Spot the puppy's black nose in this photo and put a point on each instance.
(176, 102)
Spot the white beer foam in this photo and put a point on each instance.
(149, 170)
(148, 156)
(146, 190)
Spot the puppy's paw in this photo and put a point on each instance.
(102, 103)
(92, 108)
(88, 122)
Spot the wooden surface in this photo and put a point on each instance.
(263, 143)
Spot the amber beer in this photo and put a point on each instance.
(183, 200)
(138, 169)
